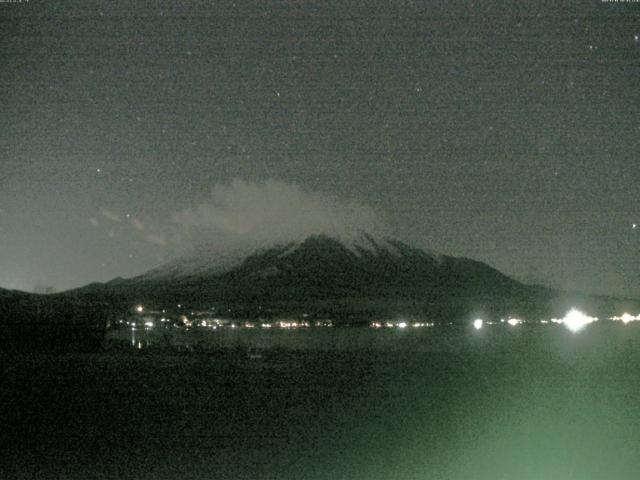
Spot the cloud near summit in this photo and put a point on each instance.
(273, 212)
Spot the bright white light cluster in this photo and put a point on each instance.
(575, 320)
(477, 323)
(401, 324)
(292, 324)
(626, 318)
(514, 321)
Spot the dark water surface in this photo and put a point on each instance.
(521, 403)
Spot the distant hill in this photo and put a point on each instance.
(51, 322)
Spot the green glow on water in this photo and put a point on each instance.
(495, 403)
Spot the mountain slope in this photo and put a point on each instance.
(328, 276)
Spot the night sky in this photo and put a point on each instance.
(507, 132)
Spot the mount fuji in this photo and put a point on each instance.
(357, 277)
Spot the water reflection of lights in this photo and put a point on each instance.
(140, 329)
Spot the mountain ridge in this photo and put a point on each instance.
(325, 275)
(208, 259)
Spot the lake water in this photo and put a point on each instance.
(528, 402)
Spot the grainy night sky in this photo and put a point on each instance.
(507, 132)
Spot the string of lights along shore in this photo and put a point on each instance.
(575, 320)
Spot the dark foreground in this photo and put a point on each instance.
(528, 404)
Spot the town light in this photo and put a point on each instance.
(575, 320)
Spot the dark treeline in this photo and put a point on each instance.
(51, 323)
